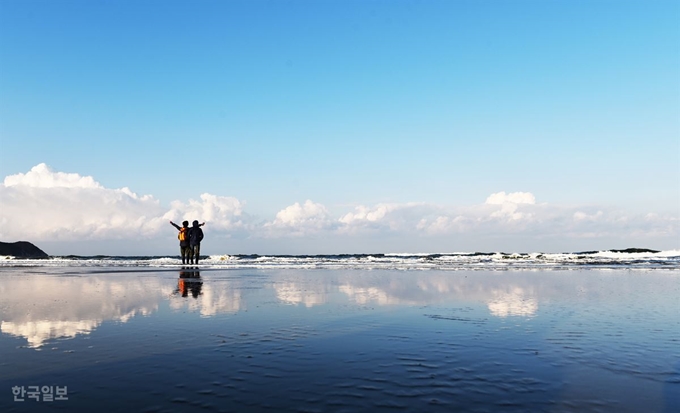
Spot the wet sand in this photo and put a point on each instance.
(332, 340)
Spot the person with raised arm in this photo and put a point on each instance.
(184, 244)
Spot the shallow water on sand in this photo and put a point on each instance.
(340, 340)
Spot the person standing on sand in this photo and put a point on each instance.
(183, 237)
(195, 238)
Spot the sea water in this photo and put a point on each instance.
(639, 259)
(342, 333)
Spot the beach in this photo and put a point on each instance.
(309, 206)
(167, 339)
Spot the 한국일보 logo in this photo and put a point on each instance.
(35, 393)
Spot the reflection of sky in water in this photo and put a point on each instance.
(212, 300)
(358, 338)
(515, 302)
(292, 293)
(40, 308)
(37, 332)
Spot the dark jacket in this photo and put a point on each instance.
(195, 235)
(184, 243)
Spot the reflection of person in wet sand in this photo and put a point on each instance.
(189, 280)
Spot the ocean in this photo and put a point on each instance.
(615, 259)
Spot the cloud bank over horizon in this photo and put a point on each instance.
(53, 206)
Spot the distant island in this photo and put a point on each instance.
(21, 249)
(626, 251)
(636, 250)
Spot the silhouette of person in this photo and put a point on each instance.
(185, 250)
(195, 238)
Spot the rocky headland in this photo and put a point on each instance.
(21, 249)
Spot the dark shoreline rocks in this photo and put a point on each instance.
(21, 249)
(627, 251)
(635, 250)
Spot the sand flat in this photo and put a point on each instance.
(341, 340)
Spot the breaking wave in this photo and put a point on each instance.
(614, 259)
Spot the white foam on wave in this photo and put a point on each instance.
(164, 261)
(455, 261)
(218, 258)
(638, 255)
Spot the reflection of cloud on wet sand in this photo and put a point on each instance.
(292, 293)
(44, 308)
(368, 295)
(212, 301)
(513, 302)
(220, 301)
(502, 299)
(37, 332)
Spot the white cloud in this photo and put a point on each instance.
(47, 205)
(385, 217)
(583, 216)
(41, 176)
(510, 205)
(364, 214)
(225, 213)
(44, 205)
(501, 211)
(299, 220)
(445, 224)
(501, 198)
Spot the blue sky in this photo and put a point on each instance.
(350, 105)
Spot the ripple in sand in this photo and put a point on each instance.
(480, 321)
(390, 404)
